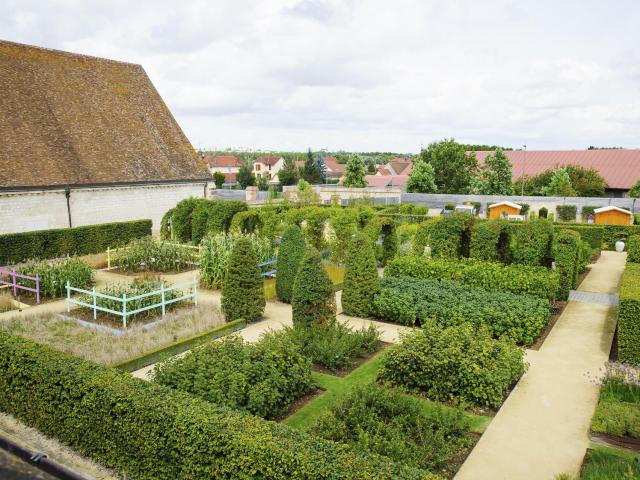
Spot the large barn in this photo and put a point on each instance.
(620, 168)
(87, 140)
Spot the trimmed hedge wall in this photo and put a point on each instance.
(450, 236)
(47, 244)
(494, 277)
(532, 242)
(629, 316)
(566, 251)
(611, 233)
(491, 241)
(518, 317)
(590, 233)
(147, 431)
(633, 249)
(567, 213)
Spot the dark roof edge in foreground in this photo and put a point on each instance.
(30, 188)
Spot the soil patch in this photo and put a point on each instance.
(355, 363)
(558, 308)
(627, 442)
(301, 402)
(111, 321)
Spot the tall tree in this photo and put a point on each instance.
(495, 176)
(453, 167)
(246, 178)
(587, 182)
(560, 185)
(218, 178)
(313, 170)
(288, 174)
(422, 178)
(355, 172)
(635, 190)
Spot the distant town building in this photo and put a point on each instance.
(87, 140)
(334, 169)
(394, 174)
(229, 165)
(268, 166)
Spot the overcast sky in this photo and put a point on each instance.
(368, 75)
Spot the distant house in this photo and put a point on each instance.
(620, 168)
(268, 166)
(334, 169)
(386, 180)
(107, 147)
(397, 166)
(223, 163)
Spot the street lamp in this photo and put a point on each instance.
(524, 160)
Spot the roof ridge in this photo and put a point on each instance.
(65, 53)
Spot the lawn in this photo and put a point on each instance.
(603, 463)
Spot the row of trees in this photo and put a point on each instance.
(449, 167)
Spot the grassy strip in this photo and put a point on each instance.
(158, 354)
(604, 463)
(618, 411)
(338, 387)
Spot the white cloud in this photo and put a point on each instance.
(367, 74)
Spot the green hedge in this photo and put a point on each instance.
(519, 317)
(633, 248)
(532, 242)
(592, 234)
(161, 353)
(451, 235)
(566, 213)
(566, 252)
(46, 244)
(495, 277)
(421, 238)
(611, 233)
(629, 316)
(456, 364)
(491, 241)
(149, 432)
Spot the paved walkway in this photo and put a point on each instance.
(542, 428)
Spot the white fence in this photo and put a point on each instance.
(124, 313)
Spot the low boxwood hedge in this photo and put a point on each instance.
(629, 316)
(460, 364)
(610, 233)
(47, 244)
(495, 277)
(146, 431)
(519, 317)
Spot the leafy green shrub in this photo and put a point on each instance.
(182, 216)
(394, 306)
(633, 249)
(313, 299)
(215, 251)
(155, 256)
(138, 287)
(389, 241)
(586, 211)
(451, 235)
(48, 244)
(491, 241)
(165, 225)
(593, 234)
(384, 421)
(213, 216)
(292, 249)
(495, 277)
(361, 281)
(315, 219)
(262, 378)
(566, 254)
(334, 345)
(618, 411)
(460, 364)
(146, 431)
(525, 209)
(55, 275)
(532, 242)
(243, 287)
(246, 221)
(421, 239)
(519, 317)
(566, 213)
(343, 227)
(629, 316)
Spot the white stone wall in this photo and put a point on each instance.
(40, 210)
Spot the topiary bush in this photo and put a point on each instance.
(389, 241)
(361, 281)
(566, 255)
(147, 431)
(343, 226)
(459, 364)
(246, 221)
(313, 300)
(495, 277)
(165, 226)
(519, 317)
(384, 421)
(491, 241)
(451, 235)
(290, 253)
(532, 242)
(629, 316)
(261, 378)
(542, 213)
(633, 249)
(592, 234)
(182, 216)
(243, 287)
(566, 213)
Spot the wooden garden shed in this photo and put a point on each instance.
(500, 209)
(613, 216)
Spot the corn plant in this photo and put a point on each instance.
(54, 276)
(214, 255)
(154, 255)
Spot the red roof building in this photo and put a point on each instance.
(380, 181)
(620, 168)
(334, 169)
(223, 161)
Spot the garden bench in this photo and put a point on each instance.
(270, 273)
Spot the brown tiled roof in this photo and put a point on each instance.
(68, 119)
(620, 168)
(268, 159)
(401, 166)
(223, 161)
(334, 169)
(386, 180)
(383, 170)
